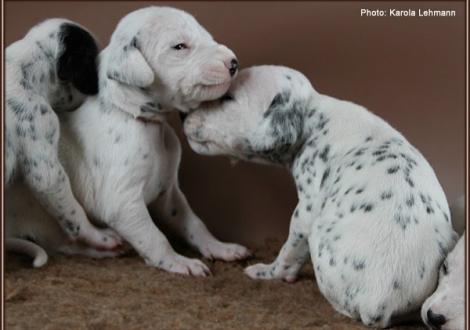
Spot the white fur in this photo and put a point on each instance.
(371, 212)
(120, 152)
(34, 92)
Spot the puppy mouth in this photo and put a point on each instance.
(212, 92)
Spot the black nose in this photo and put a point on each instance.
(435, 320)
(183, 116)
(233, 67)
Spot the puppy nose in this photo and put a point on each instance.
(233, 67)
(435, 320)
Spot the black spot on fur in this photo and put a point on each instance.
(386, 195)
(77, 62)
(410, 201)
(324, 154)
(409, 181)
(422, 270)
(367, 207)
(393, 169)
(324, 177)
(359, 265)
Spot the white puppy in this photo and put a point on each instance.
(371, 212)
(445, 308)
(120, 152)
(51, 69)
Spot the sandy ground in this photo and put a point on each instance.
(124, 293)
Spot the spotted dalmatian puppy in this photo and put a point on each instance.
(52, 69)
(118, 148)
(445, 308)
(371, 213)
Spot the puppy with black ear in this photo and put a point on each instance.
(120, 151)
(52, 69)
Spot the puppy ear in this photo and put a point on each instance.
(284, 118)
(127, 65)
(77, 61)
(280, 129)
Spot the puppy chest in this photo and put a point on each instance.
(161, 164)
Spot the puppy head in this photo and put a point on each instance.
(445, 309)
(260, 118)
(166, 53)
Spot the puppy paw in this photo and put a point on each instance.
(270, 272)
(186, 266)
(226, 252)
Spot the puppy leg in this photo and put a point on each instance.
(134, 224)
(174, 209)
(292, 256)
(49, 183)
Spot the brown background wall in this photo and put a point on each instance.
(410, 71)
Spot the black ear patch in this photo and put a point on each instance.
(77, 62)
(279, 102)
(286, 117)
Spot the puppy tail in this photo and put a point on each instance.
(29, 248)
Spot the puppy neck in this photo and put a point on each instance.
(291, 131)
(137, 103)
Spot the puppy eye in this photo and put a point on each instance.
(227, 97)
(180, 46)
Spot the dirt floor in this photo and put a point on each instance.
(124, 293)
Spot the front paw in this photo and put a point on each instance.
(225, 251)
(182, 265)
(271, 272)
